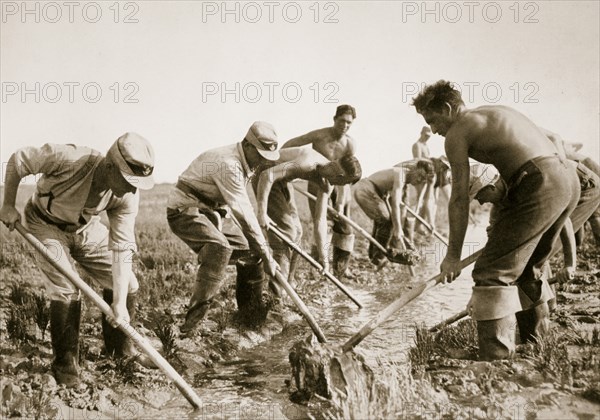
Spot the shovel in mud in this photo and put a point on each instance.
(187, 391)
(329, 371)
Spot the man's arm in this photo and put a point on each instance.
(395, 200)
(302, 140)
(320, 227)
(416, 151)
(232, 186)
(8, 213)
(567, 238)
(458, 206)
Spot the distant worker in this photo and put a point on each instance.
(420, 149)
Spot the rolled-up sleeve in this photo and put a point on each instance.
(121, 217)
(48, 159)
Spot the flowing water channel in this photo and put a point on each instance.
(253, 385)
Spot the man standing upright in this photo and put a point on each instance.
(542, 192)
(334, 143)
(420, 149)
(197, 211)
(77, 184)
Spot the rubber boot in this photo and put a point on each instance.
(213, 259)
(341, 260)
(202, 297)
(533, 323)
(496, 338)
(116, 342)
(249, 292)
(65, 318)
(595, 224)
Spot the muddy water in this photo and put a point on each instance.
(253, 385)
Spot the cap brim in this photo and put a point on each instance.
(269, 154)
(141, 182)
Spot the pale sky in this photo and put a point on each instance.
(166, 69)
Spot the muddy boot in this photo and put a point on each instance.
(533, 323)
(249, 291)
(65, 318)
(496, 338)
(341, 260)
(213, 260)
(116, 342)
(202, 297)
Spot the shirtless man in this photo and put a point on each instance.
(542, 191)
(275, 197)
(379, 196)
(334, 143)
(420, 149)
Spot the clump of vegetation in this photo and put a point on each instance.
(162, 325)
(550, 356)
(41, 312)
(458, 340)
(16, 325)
(424, 349)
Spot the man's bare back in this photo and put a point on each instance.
(500, 136)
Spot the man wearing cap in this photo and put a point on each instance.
(76, 185)
(420, 149)
(210, 210)
(380, 195)
(334, 143)
(276, 203)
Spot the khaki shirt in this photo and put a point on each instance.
(60, 165)
(221, 175)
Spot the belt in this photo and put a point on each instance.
(182, 186)
(65, 227)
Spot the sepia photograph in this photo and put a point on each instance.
(300, 209)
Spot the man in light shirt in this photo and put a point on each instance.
(210, 210)
(77, 184)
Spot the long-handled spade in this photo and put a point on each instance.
(427, 225)
(187, 391)
(329, 371)
(354, 225)
(273, 228)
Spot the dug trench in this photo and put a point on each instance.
(278, 370)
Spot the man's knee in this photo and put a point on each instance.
(215, 255)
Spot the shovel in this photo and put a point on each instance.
(187, 391)
(354, 225)
(314, 263)
(399, 303)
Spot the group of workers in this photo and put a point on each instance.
(540, 189)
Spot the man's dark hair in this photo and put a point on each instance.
(352, 171)
(352, 167)
(424, 170)
(433, 97)
(345, 109)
